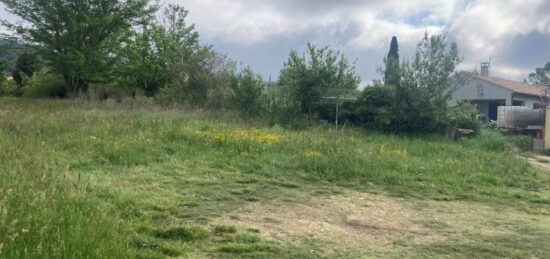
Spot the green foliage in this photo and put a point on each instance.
(465, 116)
(392, 75)
(375, 108)
(9, 50)
(417, 102)
(248, 92)
(523, 143)
(3, 63)
(43, 84)
(9, 88)
(151, 175)
(541, 75)
(25, 66)
(309, 76)
(77, 37)
(186, 234)
(209, 76)
(494, 141)
(425, 85)
(149, 55)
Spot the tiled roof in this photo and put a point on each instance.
(523, 88)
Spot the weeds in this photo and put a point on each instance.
(104, 180)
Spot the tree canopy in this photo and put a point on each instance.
(541, 75)
(313, 73)
(392, 74)
(76, 37)
(416, 102)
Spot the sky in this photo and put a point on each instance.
(261, 33)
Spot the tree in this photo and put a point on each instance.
(3, 66)
(208, 77)
(310, 75)
(25, 65)
(158, 53)
(392, 75)
(541, 75)
(425, 84)
(247, 91)
(77, 37)
(418, 103)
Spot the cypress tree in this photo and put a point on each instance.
(394, 49)
(392, 75)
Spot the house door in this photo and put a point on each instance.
(493, 109)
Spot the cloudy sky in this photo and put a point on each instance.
(260, 33)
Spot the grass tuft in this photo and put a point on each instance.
(186, 234)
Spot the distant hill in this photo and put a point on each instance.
(9, 50)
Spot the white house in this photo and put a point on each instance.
(488, 93)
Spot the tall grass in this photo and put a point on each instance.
(45, 212)
(48, 150)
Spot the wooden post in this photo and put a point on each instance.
(547, 129)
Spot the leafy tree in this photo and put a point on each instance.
(209, 75)
(425, 84)
(3, 66)
(392, 75)
(541, 75)
(167, 57)
(44, 84)
(418, 104)
(248, 91)
(375, 108)
(310, 75)
(77, 37)
(25, 65)
(152, 56)
(3, 63)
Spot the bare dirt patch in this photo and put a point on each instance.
(358, 221)
(541, 162)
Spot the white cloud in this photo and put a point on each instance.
(248, 22)
(482, 28)
(377, 33)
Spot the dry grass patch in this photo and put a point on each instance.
(374, 224)
(353, 220)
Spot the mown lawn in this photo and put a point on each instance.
(126, 180)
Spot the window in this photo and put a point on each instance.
(538, 106)
(518, 103)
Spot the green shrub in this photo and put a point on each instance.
(170, 95)
(464, 116)
(494, 141)
(375, 109)
(9, 88)
(524, 143)
(44, 84)
(247, 92)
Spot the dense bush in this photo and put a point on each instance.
(310, 76)
(465, 116)
(44, 84)
(376, 108)
(25, 66)
(416, 100)
(9, 87)
(247, 92)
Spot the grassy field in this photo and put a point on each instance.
(108, 180)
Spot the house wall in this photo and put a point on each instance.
(483, 107)
(529, 101)
(482, 93)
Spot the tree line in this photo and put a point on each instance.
(119, 48)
